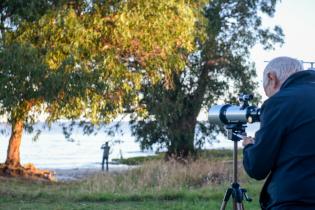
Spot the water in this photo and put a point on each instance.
(52, 150)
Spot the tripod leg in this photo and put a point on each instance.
(226, 198)
(223, 205)
(239, 206)
(235, 206)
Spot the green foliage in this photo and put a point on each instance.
(31, 10)
(157, 33)
(217, 71)
(22, 78)
(86, 60)
(93, 56)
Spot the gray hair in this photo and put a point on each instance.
(283, 67)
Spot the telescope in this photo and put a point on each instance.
(234, 118)
(228, 114)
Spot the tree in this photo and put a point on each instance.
(218, 69)
(20, 65)
(87, 59)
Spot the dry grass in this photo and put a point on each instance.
(156, 184)
(158, 175)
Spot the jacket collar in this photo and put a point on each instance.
(299, 77)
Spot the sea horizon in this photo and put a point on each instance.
(52, 150)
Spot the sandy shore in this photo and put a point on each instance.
(73, 174)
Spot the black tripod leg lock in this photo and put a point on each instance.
(239, 194)
(247, 198)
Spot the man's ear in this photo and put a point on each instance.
(273, 80)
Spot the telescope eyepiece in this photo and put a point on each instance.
(245, 97)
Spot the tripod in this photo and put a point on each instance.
(235, 133)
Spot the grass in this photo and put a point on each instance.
(156, 184)
(139, 160)
(213, 154)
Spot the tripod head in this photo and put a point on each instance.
(235, 132)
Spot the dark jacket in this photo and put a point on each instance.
(284, 146)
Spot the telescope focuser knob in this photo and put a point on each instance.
(250, 119)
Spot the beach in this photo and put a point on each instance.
(74, 174)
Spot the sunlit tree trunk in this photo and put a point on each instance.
(13, 153)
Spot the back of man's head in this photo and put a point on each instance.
(283, 67)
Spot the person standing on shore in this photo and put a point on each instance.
(284, 147)
(105, 149)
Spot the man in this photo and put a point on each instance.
(106, 149)
(284, 147)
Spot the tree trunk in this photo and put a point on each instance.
(183, 133)
(13, 153)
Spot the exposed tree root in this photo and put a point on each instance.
(28, 171)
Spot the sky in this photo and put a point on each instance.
(297, 19)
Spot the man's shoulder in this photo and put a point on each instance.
(282, 97)
(290, 101)
(290, 95)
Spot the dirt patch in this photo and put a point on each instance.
(28, 171)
